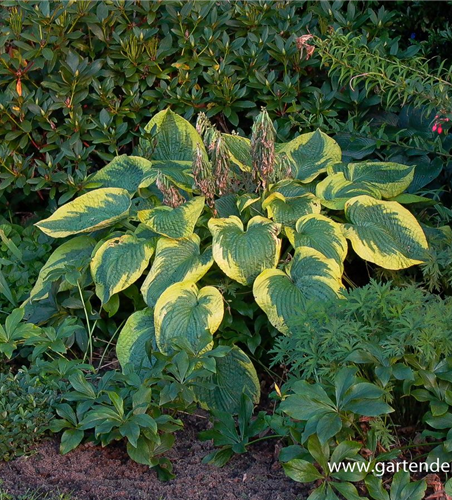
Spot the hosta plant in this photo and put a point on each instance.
(217, 229)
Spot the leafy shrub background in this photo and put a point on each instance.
(79, 79)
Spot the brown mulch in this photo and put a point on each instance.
(96, 473)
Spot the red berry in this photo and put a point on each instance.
(440, 130)
(434, 127)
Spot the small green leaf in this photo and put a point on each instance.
(301, 471)
(70, 439)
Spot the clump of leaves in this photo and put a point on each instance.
(377, 321)
(23, 252)
(26, 411)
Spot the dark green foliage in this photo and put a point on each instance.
(23, 252)
(379, 321)
(231, 436)
(25, 412)
(78, 80)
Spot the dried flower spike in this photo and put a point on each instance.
(263, 149)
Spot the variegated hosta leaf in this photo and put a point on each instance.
(175, 261)
(389, 178)
(310, 275)
(76, 251)
(227, 205)
(126, 172)
(385, 233)
(335, 190)
(310, 154)
(289, 188)
(287, 211)
(322, 234)
(235, 376)
(118, 263)
(136, 335)
(241, 254)
(177, 141)
(189, 316)
(91, 211)
(239, 149)
(174, 222)
(246, 200)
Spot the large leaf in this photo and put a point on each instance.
(310, 154)
(287, 211)
(177, 141)
(174, 222)
(322, 234)
(91, 211)
(136, 335)
(118, 263)
(241, 254)
(354, 147)
(281, 295)
(389, 178)
(239, 149)
(385, 233)
(425, 169)
(126, 172)
(175, 261)
(235, 376)
(289, 188)
(40, 306)
(335, 190)
(187, 315)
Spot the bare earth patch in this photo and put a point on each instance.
(95, 473)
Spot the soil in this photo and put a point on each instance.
(96, 473)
